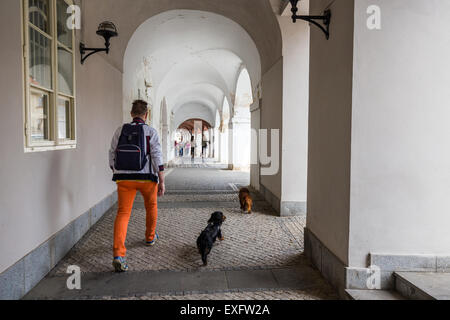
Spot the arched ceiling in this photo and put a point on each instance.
(255, 16)
(204, 93)
(190, 58)
(189, 125)
(193, 110)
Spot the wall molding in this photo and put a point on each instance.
(270, 198)
(293, 208)
(283, 208)
(25, 274)
(330, 266)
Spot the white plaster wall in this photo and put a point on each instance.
(271, 118)
(255, 126)
(330, 127)
(241, 136)
(224, 137)
(43, 192)
(295, 106)
(400, 182)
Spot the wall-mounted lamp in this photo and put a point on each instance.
(326, 18)
(107, 30)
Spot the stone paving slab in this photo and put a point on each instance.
(425, 285)
(369, 295)
(253, 279)
(134, 284)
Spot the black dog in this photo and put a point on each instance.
(207, 238)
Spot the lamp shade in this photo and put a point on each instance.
(107, 30)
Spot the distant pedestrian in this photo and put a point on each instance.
(193, 147)
(204, 146)
(188, 148)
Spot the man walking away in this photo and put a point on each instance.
(136, 160)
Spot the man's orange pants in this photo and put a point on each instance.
(127, 193)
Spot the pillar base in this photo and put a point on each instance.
(270, 197)
(293, 208)
(343, 277)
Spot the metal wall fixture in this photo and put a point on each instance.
(326, 18)
(107, 30)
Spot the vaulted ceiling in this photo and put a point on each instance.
(192, 60)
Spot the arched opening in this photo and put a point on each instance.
(224, 132)
(191, 140)
(241, 122)
(191, 64)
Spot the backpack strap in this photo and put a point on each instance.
(138, 121)
(142, 122)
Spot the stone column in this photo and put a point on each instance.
(211, 143)
(241, 140)
(224, 144)
(165, 140)
(294, 131)
(379, 148)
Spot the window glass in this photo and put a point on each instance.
(64, 119)
(40, 60)
(65, 71)
(64, 33)
(39, 105)
(50, 103)
(39, 14)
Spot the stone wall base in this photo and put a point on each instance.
(23, 276)
(343, 277)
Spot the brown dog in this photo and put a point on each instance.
(246, 200)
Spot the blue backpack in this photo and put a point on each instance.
(130, 152)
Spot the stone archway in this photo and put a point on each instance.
(253, 18)
(192, 72)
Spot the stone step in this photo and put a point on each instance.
(423, 285)
(130, 284)
(373, 295)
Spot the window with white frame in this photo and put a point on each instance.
(49, 64)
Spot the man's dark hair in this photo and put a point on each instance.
(139, 109)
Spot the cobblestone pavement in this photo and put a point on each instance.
(187, 162)
(260, 240)
(194, 180)
(257, 241)
(325, 293)
(252, 241)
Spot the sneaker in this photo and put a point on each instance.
(152, 243)
(120, 264)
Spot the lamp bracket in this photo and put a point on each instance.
(84, 51)
(325, 18)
